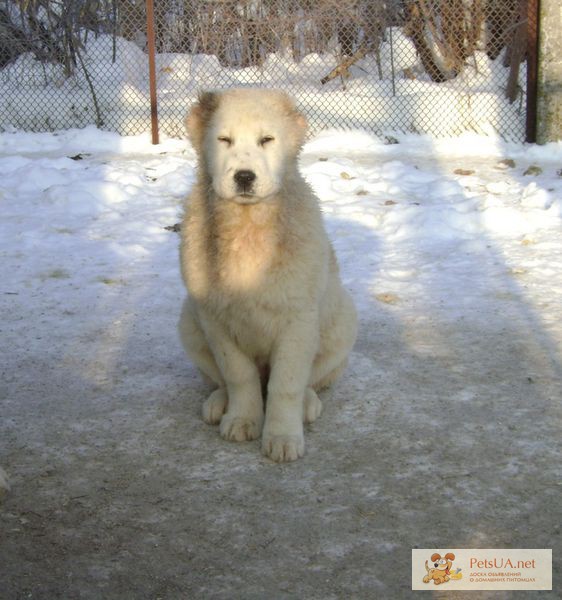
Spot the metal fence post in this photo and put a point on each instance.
(532, 68)
(152, 69)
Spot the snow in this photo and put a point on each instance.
(450, 398)
(417, 224)
(402, 96)
(421, 227)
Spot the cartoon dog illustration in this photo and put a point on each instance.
(441, 568)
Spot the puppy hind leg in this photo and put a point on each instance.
(198, 350)
(312, 406)
(197, 347)
(336, 340)
(324, 377)
(215, 406)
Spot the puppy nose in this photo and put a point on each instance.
(244, 178)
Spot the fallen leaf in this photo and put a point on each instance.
(464, 172)
(506, 163)
(361, 193)
(390, 203)
(345, 175)
(533, 170)
(387, 298)
(110, 281)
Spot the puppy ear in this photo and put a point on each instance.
(199, 116)
(435, 557)
(302, 125)
(450, 556)
(297, 119)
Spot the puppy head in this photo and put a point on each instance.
(245, 139)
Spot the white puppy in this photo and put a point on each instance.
(266, 313)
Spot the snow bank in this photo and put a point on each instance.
(400, 98)
(414, 212)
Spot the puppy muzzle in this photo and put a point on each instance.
(244, 179)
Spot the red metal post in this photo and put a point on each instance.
(152, 69)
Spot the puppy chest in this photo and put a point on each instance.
(253, 329)
(247, 261)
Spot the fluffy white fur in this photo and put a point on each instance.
(266, 314)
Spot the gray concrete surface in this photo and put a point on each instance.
(442, 433)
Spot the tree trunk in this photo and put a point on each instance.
(414, 29)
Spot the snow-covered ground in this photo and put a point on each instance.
(449, 223)
(452, 250)
(39, 97)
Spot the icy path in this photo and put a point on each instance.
(444, 432)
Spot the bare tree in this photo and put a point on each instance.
(53, 30)
(444, 33)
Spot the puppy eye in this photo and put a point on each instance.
(225, 139)
(265, 139)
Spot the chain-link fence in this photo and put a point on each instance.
(434, 66)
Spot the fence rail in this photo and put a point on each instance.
(432, 66)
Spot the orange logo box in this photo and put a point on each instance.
(481, 569)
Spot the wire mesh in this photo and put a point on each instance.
(428, 66)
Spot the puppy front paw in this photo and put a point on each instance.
(214, 406)
(283, 448)
(240, 429)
